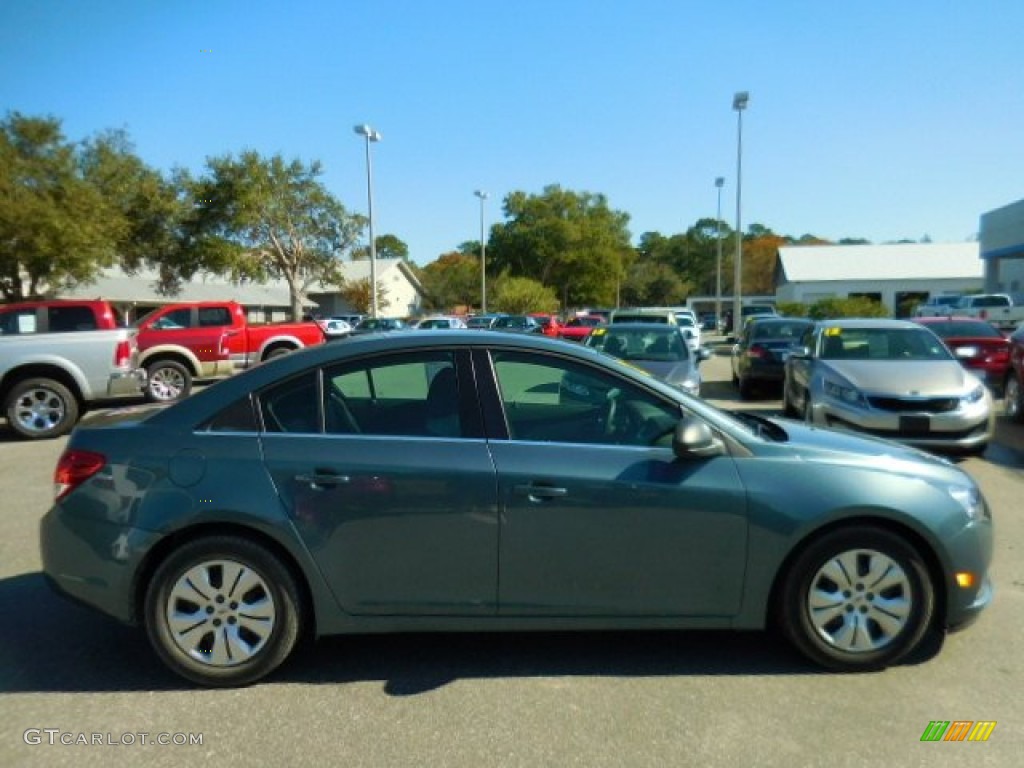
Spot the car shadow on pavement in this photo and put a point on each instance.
(56, 645)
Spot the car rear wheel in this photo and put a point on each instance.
(857, 599)
(223, 611)
(41, 408)
(1013, 402)
(167, 381)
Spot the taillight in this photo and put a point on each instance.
(983, 314)
(756, 350)
(73, 468)
(123, 354)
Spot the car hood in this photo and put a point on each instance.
(895, 377)
(832, 446)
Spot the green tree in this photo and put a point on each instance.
(357, 294)
(388, 247)
(260, 218)
(858, 306)
(451, 281)
(56, 228)
(572, 242)
(519, 295)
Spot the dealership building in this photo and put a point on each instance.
(898, 275)
(1002, 249)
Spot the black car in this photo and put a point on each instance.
(759, 357)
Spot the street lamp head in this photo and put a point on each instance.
(720, 182)
(368, 132)
(481, 194)
(739, 101)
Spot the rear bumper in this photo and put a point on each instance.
(126, 383)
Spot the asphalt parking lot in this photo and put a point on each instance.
(587, 699)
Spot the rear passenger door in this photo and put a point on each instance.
(381, 463)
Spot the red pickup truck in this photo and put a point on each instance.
(210, 339)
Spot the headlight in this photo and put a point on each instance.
(690, 386)
(848, 395)
(975, 395)
(969, 497)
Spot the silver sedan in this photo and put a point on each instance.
(891, 379)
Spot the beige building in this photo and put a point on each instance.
(136, 294)
(899, 275)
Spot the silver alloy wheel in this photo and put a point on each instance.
(1011, 398)
(860, 601)
(220, 613)
(39, 410)
(166, 383)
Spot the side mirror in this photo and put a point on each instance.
(693, 439)
(703, 354)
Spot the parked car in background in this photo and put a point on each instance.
(519, 323)
(661, 350)
(759, 357)
(709, 322)
(977, 344)
(577, 328)
(48, 379)
(58, 316)
(643, 315)
(687, 321)
(335, 328)
(1013, 396)
(1000, 309)
(482, 322)
(474, 481)
(550, 324)
(440, 321)
(938, 306)
(379, 324)
(888, 378)
(179, 343)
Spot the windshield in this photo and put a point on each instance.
(881, 344)
(651, 344)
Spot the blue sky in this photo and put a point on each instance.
(879, 119)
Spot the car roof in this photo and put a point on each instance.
(867, 322)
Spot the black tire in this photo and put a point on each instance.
(167, 381)
(1013, 398)
(787, 407)
(826, 593)
(223, 642)
(278, 352)
(746, 389)
(41, 408)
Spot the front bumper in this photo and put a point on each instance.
(970, 426)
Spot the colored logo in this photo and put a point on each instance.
(958, 730)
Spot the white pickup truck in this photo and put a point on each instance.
(998, 308)
(48, 379)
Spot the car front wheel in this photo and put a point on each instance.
(223, 611)
(857, 599)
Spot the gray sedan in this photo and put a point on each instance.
(887, 378)
(475, 480)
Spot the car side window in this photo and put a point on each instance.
(211, 317)
(176, 320)
(292, 406)
(551, 399)
(65, 319)
(17, 322)
(415, 394)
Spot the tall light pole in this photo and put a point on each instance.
(739, 103)
(719, 183)
(371, 135)
(483, 253)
